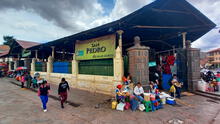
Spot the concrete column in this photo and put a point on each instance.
(118, 68)
(184, 39)
(118, 65)
(53, 51)
(50, 65)
(138, 63)
(27, 63)
(75, 70)
(33, 65)
(36, 54)
(193, 68)
(9, 65)
(120, 32)
(15, 64)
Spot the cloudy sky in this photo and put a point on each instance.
(46, 20)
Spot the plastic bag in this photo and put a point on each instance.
(120, 106)
(141, 107)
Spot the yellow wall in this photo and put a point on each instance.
(91, 83)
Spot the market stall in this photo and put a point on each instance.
(151, 101)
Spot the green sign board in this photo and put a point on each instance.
(152, 64)
(98, 48)
(26, 53)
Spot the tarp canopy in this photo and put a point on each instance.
(158, 24)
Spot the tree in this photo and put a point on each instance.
(8, 40)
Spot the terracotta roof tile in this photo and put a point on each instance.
(218, 49)
(4, 48)
(4, 53)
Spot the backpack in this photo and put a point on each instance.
(134, 104)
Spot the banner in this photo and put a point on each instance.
(26, 53)
(152, 64)
(97, 48)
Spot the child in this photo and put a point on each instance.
(153, 87)
(34, 81)
(62, 91)
(28, 79)
(172, 91)
(22, 81)
(119, 94)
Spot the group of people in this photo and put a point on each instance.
(24, 77)
(44, 88)
(123, 91)
(211, 80)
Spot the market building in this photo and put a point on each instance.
(4, 50)
(154, 39)
(18, 55)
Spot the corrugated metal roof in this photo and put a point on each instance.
(27, 44)
(158, 24)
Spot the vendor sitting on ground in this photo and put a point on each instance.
(177, 85)
(139, 92)
(119, 94)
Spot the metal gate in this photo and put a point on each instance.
(181, 61)
(97, 67)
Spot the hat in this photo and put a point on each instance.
(174, 80)
(119, 86)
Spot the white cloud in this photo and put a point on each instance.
(33, 24)
(124, 7)
(211, 9)
(28, 26)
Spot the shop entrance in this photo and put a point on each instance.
(164, 64)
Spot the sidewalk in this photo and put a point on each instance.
(76, 97)
(190, 109)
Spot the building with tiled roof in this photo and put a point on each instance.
(27, 44)
(4, 50)
(18, 48)
(214, 57)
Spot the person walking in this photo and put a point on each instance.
(43, 92)
(34, 81)
(28, 79)
(62, 91)
(22, 79)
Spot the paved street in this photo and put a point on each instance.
(22, 106)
